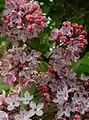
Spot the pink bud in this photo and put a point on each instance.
(67, 23)
(47, 98)
(34, 7)
(29, 18)
(81, 27)
(84, 32)
(76, 117)
(29, 28)
(75, 26)
(38, 22)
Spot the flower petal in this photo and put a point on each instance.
(67, 113)
(10, 107)
(31, 113)
(27, 95)
(3, 115)
(18, 117)
(37, 54)
(40, 105)
(33, 105)
(55, 100)
(17, 103)
(21, 98)
(31, 97)
(8, 100)
(39, 112)
(23, 112)
(26, 102)
(60, 112)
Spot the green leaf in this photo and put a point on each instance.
(33, 88)
(82, 66)
(42, 47)
(43, 66)
(3, 86)
(2, 2)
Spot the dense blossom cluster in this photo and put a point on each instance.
(73, 37)
(13, 101)
(70, 97)
(23, 20)
(19, 66)
(61, 79)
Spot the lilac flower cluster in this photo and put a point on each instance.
(22, 20)
(61, 79)
(19, 65)
(13, 101)
(73, 37)
(70, 97)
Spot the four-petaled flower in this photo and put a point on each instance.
(20, 56)
(24, 115)
(62, 95)
(9, 78)
(64, 110)
(36, 109)
(12, 101)
(32, 57)
(27, 98)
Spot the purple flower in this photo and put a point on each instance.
(24, 115)
(12, 101)
(79, 103)
(32, 57)
(54, 34)
(64, 110)
(9, 78)
(21, 56)
(4, 66)
(27, 98)
(23, 20)
(36, 109)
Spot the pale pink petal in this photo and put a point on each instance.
(33, 105)
(55, 100)
(21, 98)
(26, 102)
(40, 105)
(31, 113)
(17, 104)
(10, 107)
(8, 100)
(39, 112)
(27, 95)
(3, 115)
(18, 117)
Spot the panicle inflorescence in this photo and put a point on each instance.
(22, 20)
(18, 66)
